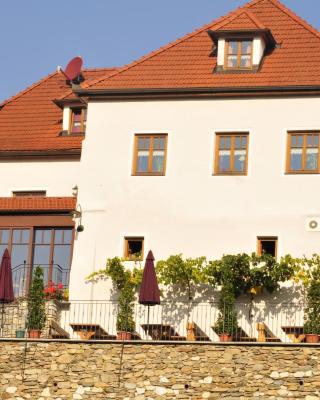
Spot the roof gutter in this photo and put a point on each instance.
(198, 92)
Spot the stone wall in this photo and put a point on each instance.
(143, 371)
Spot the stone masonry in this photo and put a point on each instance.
(148, 371)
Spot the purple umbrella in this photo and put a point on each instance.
(149, 294)
(6, 285)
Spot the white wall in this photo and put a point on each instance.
(189, 210)
(56, 177)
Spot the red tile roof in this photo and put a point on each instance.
(37, 204)
(31, 121)
(186, 63)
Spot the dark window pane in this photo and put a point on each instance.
(62, 256)
(4, 236)
(161, 146)
(310, 140)
(41, 255)
(232, 61)
(156, 143)
(67, 236)
(239, 160)
(237, 144)
(2, 249)
(296, 159)
(19, 254)
(16, 236)
(312, 159)
(233, 48)
(143, 159)
(268, 247)
(158, 161)
(246, 47)
(58, 236)
(316, 140)
(224, 160)
(135, 247)
(25, 235)
(245, 62)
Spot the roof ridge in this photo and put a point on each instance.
(27, 89)
(249, 14)
(172, 44)
(295, 17)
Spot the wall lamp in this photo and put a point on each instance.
(77, 218)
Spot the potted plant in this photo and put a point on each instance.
(125, 282)
(125, 321)
(311, 326)
(36, 305)
(226, 325)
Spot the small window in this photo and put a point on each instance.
(303, 153)
(150, 155)
(133, 248)
(231, 155)
(78, 120)
(238, 54)
(29, 193)
(268, 245)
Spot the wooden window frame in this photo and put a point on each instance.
(239, 54)
(232, 135)
(71, 120)
(304, 150)
(151, 136)
(261, 239)
(32, 229)
(29, 193)
(126, 255)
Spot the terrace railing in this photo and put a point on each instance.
(170, 321)
(22, 275)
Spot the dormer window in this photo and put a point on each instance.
(78, 120)
(238, 54)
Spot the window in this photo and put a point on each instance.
(29, 193)
(267, 245)
(238, 54)
(150, 155)
(78, 120)
(231, 155)
(133, 248)
(51, 248)
(303, 152)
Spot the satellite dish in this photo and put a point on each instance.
(73, 69)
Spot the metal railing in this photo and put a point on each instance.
(170, 321)
(53, 274)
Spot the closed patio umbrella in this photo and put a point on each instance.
(149, 294)
(6, 285)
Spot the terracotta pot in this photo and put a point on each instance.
(34, 333)
(121, 335)
(312, 338)
(225, 337)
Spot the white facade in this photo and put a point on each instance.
(190, 210)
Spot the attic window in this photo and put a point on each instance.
(238, 54)
(78, 120)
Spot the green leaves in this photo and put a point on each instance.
(36, 301)
(185, 273)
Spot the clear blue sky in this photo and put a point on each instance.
(38, 35)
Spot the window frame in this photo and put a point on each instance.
(32, 228)
(239, 54)
(71, 120)
(233, 135)
(261, 239)
(126, 255)
(151, 136)
(305, 134)
(29, 193)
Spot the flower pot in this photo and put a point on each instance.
(34, 333)
(20, 333)
(312, 338)
(191, 335)
(121, 335)
(225, 337)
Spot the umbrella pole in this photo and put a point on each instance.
(148, 315)
(2, 313)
